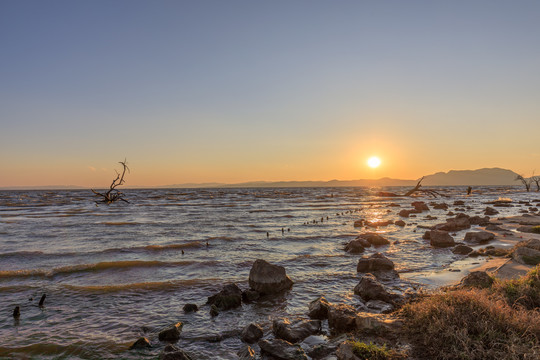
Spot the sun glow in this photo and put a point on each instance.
(374, 162)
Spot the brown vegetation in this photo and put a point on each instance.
(502, 322)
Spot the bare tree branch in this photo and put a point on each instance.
(525, 182)
(113, 194)
(416, 189)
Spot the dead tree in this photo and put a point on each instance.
(416, 189)
(525, 182)
(113, 194)
(536, 180)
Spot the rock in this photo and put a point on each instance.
(363, 241)
(268, 279)
(190, 308)
(252, 333)
(379, 306)
(171, 334)
(490, 211)
(229, 297)
(439, 238)
(527, 252)
(345, 352)
(427, 235)
(250, 295)
(246, 353)
(172, 352)
(460, 222)
(493, 227)
(359, 223)
(478, 220)
(297, 331)
(341, 318)
(407, 213)
(399, 223)
(214, 311)
(420, 206)
(369, 288)
(479, 237)
(374, 239)
(141, 343)
(478, 279)
(368, 323)
(459, 203)
(282, 350)
(440, 206)
(378, 223)
(462, 249)
(376, 262)
(474, 253)
(318, 308)
(355, 247)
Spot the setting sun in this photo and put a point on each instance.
(374, 162)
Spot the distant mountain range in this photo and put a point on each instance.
(487, 176)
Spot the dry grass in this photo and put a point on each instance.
(498, 323)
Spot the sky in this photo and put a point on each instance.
(233, 91)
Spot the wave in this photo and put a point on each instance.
(20, 253)
(188, 245)
(105, 265)
(149, 286)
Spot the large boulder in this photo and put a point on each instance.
(341, 318)
(296, 331)
(268, 279)
(479, 237)
(376, 262)
(374, 239)
(527, 252)
(318, 308)
(439, 238)
(282, 350)
(172, 333)
(369, 288)
(460, 222)
(229, 297)
(172, 352)
(355, 247)
(252, 333)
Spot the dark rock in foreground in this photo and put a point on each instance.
(268, 279)
(462, 249)
(252, 333)
(478, 279)
(141, 343)
(318, 308)
(296, 331)
(376, 262)
(355, 246)
(282, 350)
(246, 353)
(479, 237)
(172, 352)
(341, 318)
(171, 334)
(229, 297)
(439, 238)
(369, 288)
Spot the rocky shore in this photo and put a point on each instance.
(492, 249)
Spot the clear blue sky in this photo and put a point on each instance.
(230, 91)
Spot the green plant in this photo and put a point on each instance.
(370, 351)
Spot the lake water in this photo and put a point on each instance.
(115, 273)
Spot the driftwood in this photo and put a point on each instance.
(113, 194)
(416, 189)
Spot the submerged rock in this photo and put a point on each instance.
(268, 279)
(250, 295)
(460, 222)
(172, 352)
(462, 249)
(252, 333)
(374, 239)
(439, 238)
(369, 288)
(171, 334)
(318, 308)
(490, 211)
(420, 206)
(190, 308)
(296, 331)
(229, 297)
(282, 350)
(355, 246)
(399, 223)
(376, 262)
(479, 237)
(141, 343)
(246, 353)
